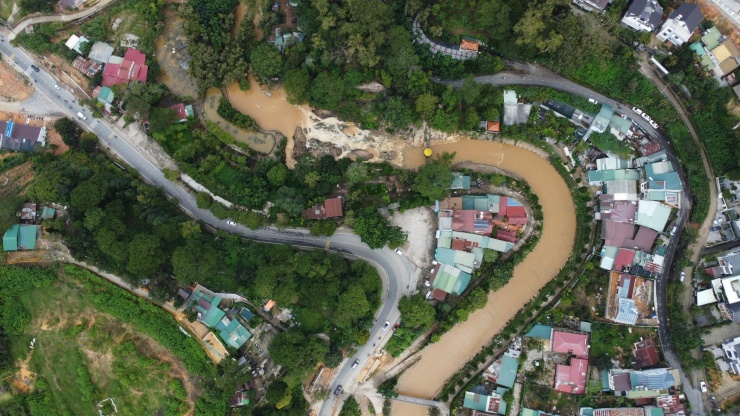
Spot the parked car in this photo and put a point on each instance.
(683, 276)
(386, 325)
(592, 101)
(356, 363)
(673, 230)
(338, 390)
(398, 251)
(232, 223)
(703, 386)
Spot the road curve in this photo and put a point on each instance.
(395, 270)
(48, 18)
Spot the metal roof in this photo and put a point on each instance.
(10, 238)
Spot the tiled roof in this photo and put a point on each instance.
(566, 342)
(330, 208)
(572, 378)
(645, 353)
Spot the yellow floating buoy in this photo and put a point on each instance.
(427, 152)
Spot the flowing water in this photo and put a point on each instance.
(442, 359)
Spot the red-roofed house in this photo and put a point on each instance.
(183, 111)
(469, 45)
(493, 126)
(568, 342)
(472, 221)
(624, 259)
(132, 68)
(671, 405)
(516, 215)
(571, 378)
(505, 235)
(645, 353)
(331, 208)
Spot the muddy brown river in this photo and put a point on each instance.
(442, 359)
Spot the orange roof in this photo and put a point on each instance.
(469, 45)
(269, 305)
(494, 126)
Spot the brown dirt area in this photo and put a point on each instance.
(23, 380)
(13, 84)
(22, 118)
(67, 73)
(53, 138)
(15, 179)
(177, 79)
(711, 12)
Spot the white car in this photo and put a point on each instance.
(398, 251)
(637, 110)
(592, 101)
(703, 386)
(56, 86)
(231, 223)
(683, 276)
(386, 325)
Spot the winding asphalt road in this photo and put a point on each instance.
(396, 271)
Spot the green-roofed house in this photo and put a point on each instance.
(461, 259)
(711, 38)
(654, 411)
(206, 304)
(540, 331)
(48, 213)
(10, 238)
(450, 279)
(27, 237)
(601, 121)
(652, 214)
(20, 237)
(663, 183)
(491, 404)
(620, 127)
(232, 332)
(460, 181)
(531, 412)
(509, 368)
(598, 177)
(481, 202)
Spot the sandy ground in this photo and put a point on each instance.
(53, 137)
(13, 85)
(419, 224)
(408, 409)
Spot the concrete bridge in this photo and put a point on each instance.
(443, 409)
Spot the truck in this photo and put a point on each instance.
(81, 116)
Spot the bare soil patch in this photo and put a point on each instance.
(419, 224)
(14, 86)
(173, 74)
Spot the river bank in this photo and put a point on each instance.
(441, 360)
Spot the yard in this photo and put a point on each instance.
(608, 143)
(81, 356)
(616, 341)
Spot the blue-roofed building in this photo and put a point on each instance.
(232, 332)
(246, 314)
(460, 181)
(655, 379)
(540, 331)
(450, 279)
